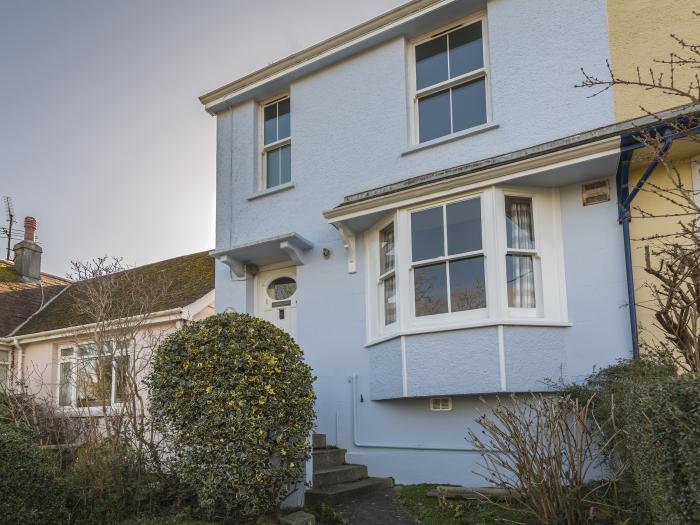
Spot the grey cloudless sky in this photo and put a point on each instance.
(102, 137)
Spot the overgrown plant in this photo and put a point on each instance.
(235, 397)
(544, 450)
(653, 417)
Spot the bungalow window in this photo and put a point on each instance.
(277, 143)
(4, 369)
(450, 81)
(89, 377)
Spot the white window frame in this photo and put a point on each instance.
(265, 148)
(483, 72)
(6, 364)
(375, 283)
(550, 284)
(74, 359)
(406, 258)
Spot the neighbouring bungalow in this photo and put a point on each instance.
(51, 349)
(24, 290)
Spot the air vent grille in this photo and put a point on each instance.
(595, 192)
(440, 404)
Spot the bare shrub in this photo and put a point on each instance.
(544, 451)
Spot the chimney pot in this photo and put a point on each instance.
(29, 228)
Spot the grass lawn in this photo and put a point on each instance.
(164, 521)
(459, 511)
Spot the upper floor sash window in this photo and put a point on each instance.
(450, 81)
(277, 143)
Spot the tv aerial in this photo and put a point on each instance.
(9, 231)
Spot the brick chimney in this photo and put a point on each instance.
(28, 253)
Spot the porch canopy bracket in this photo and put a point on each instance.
(245, 259)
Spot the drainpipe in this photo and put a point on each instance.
(624, 199)
(20, 359)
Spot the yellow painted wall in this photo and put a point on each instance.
(639, 32)
(641, 228)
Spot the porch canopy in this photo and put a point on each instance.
(243, 258)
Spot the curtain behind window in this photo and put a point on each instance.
(520, 268)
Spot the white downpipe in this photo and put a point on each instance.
(20, 360)
(356, 440)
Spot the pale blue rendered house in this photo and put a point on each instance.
(429, 207)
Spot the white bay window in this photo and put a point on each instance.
(489, 257)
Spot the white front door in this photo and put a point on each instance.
(276, 298)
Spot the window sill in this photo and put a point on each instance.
(466, 325)
(449, 138)
(275, 189)
(71, 411)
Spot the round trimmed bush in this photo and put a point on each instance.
(234, 396)
(30, 489)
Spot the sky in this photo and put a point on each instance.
(102, 137)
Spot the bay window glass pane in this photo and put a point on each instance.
(121, 365)
(66, 352)
(467, 284)
(466, 51)
(434, 116)
(469, 105)
(65, 388)
(389, 300)
(4, 372)
(427, 234)
(521, 281)
(270, 126)
(464, 226)
(273, 168)
(386, 249)
(430, 289)
(283, 119)
(431, 62)
(519, 227)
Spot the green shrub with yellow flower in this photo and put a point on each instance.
(235, 398)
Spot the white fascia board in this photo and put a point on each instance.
(173, 314)
(190, 311)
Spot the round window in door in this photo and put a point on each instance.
(281, 288)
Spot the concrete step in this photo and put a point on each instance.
(328, 457)
(339, 474)
(319, 440)
(345, 491)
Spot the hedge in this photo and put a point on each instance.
(658, 413)
(31, 491)
(235, 397)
